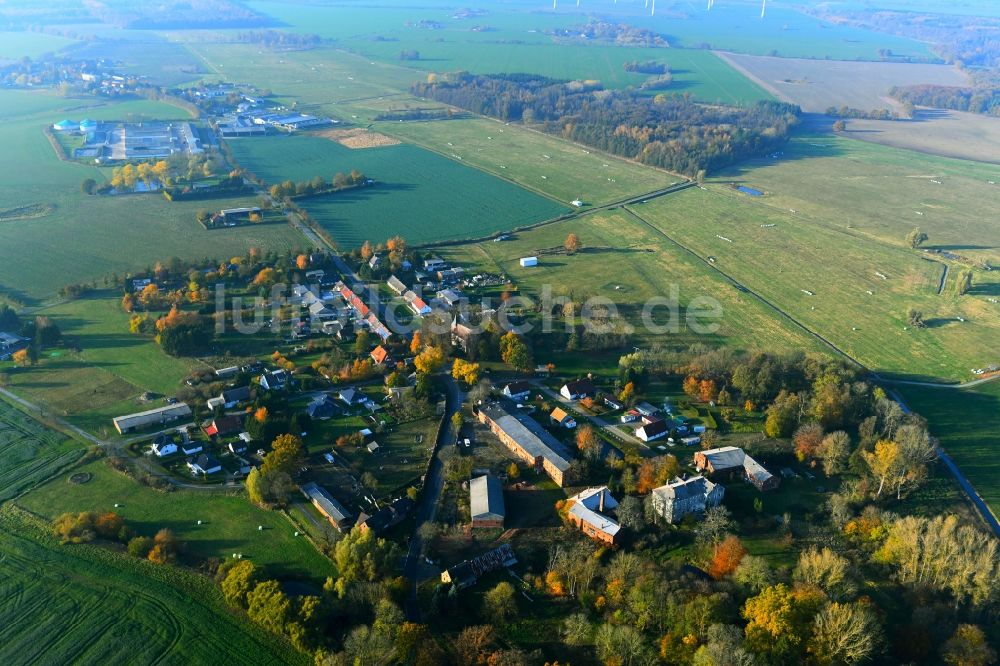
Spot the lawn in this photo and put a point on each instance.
(102, 368)
(86, 605)
(29, 452)
(418, 194)
(828, 278)
(645, 265)
(229, 520)
(967, 422)
(81, 237)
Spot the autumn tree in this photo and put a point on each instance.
(835, 452)
(473, 643)
(884, 462)
(572, 243)
(22, 358)
(302, 262)
(779, 620)
(429, 361)
(808, 440)
(514, 352)
(828, 571)
(627, 393)
(707, 390)
(727, 557)
(845, 634)
(692, 387)
(587, 442)
(513, 471)
(465, 371)
(367, 250)
(968, 647)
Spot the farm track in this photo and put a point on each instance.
(741, 287)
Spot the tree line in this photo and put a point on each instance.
(317, 185)
(667, 131)
(981, 100)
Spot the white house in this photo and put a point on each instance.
(680, 498)
(575, 390)
(528, 262)
(653, 431)
(519, 390)
(164, 445)
(204, 465)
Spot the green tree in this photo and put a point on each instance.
(968, 647)
(916, 238)
(361, 556)
(88, 186)
(782, 415)
(240, 581)
(269, 606)
(500, 603)
(140, 546)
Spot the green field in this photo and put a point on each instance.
(229, 524)
(29, 452)
(561, 169)
(86, 605)
(822, 277)
(14, 45)
(516, 36)
(86, 237)
(420, 195)
(644, 266)
(108, 373)
(879, 191)
(967, 422)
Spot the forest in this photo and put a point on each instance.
(672, 132)
(985, 101)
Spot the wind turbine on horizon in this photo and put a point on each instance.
(763, 8)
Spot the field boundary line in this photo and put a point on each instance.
(742, 287)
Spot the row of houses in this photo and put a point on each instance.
(363, 312)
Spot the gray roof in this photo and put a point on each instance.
(486, 498)
(236, 394)
(586, 507)
(726, 457)
(680, 490)
(152, 415)
(529, 435)
(326, 503)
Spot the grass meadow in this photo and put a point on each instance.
(17, 44)
(534, 160)
(106, 376)
(629, 263)
(419, 194)
(828, 279)
(229, 520)
(967, 422)
(29, 452)
(83, 237)
(881, 192)
(88, 605)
